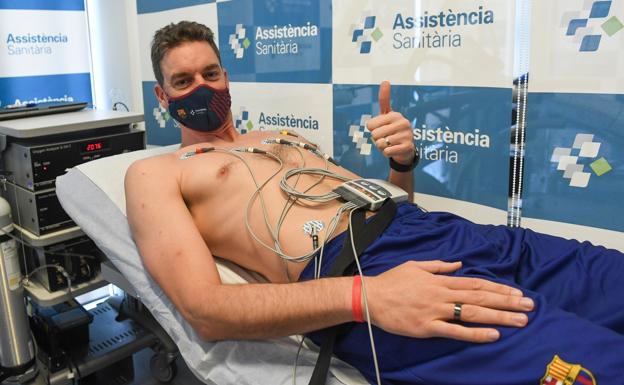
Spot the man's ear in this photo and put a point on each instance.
(161, 96)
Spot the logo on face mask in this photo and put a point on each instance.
(207, 107)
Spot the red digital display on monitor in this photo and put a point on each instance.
(94, 146)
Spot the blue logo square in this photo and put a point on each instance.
(245, 115)
(369, 22)
(590, 43)
(600, 9)
(357, 33)
(574, 25)
(366, 47)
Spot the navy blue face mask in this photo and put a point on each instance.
(202, 109)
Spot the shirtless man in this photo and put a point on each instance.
(183, 210)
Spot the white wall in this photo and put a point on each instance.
(115, 54)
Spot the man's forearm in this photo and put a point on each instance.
(258, 311)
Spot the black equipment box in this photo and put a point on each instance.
(35, 163)
(40, 213)
(80, 258)
(60, 330)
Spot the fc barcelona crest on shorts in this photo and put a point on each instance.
(560, 372)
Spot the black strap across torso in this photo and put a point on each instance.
(364, 235)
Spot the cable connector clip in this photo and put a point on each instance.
(313, 228)
(198, 150)
(252, 150)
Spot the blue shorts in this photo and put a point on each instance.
(576, 328)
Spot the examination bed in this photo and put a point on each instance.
(93, 196)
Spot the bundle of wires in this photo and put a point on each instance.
(294, 196)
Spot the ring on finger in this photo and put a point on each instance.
(457, 309)
(386, 141)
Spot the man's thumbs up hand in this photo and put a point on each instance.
(391, 132)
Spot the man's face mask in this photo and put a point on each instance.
(202, 109)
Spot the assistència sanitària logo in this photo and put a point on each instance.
(573, 160)
(364, 34)
(588, 27)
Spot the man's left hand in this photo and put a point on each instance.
(391, 132)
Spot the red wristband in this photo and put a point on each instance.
(356, 299)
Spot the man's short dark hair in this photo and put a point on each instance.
(172, 35)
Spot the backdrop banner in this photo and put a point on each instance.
(574, 160)
(575, 119)
(461, 133)
(315, 67)
(271, 41)
(429, 42)
(576, 46)
(44, 52)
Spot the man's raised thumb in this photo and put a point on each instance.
(384, 97)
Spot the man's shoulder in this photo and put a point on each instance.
(157, 165)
